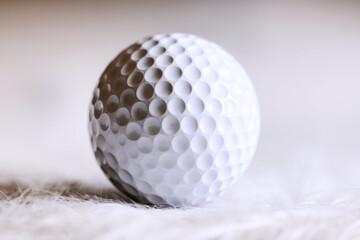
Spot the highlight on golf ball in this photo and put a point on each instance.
(174, 120)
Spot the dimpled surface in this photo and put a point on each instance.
(174, 120)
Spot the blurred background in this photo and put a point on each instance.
(303, 58)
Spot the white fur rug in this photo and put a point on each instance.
(57, 208)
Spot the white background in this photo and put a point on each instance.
(303, 58)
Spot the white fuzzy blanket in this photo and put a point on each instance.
(70, 209)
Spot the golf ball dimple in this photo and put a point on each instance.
(174, 120)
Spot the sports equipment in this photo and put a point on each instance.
(174, 120)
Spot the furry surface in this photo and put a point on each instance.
(73, 210)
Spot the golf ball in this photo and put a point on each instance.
(174, 120)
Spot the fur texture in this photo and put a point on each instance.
(73, 210)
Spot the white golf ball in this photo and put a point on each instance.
(174, 120)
